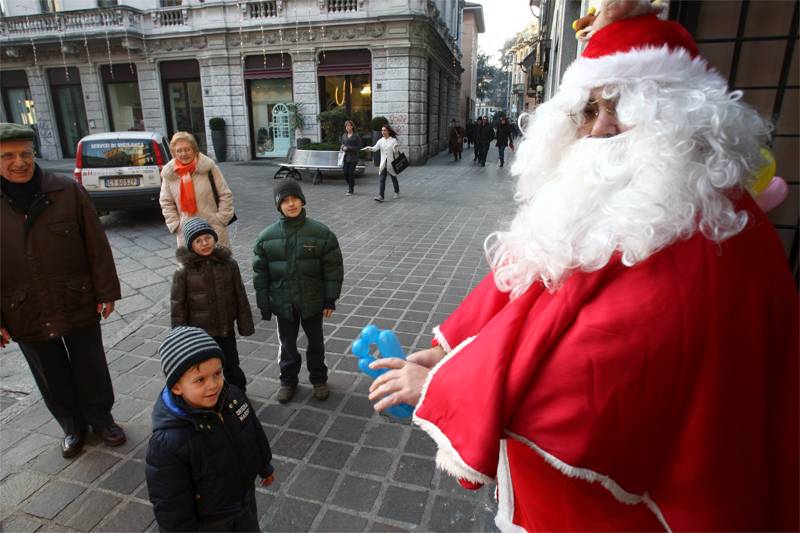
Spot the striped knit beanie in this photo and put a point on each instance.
(184, 347)
(194, 227)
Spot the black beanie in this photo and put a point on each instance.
(194, 227)
(286, 187)
(184, 347)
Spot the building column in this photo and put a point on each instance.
(306, 92)
(151, 97)
(221, 78)
(433, 109)
(93, 98)
(45, 119)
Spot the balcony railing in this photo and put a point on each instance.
(341, 6)
(261, 10)
(165, 18)
(71, 21)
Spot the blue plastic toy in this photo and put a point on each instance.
(388, 346)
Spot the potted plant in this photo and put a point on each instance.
(297, 122)
(217, 125)
(332, 123)
(375, 125)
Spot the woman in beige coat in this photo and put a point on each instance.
(186, 189)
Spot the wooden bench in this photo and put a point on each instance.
(315, 161)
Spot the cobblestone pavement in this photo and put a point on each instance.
(339, 465)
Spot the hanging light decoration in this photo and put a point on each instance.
(63, 53)
(108, 48)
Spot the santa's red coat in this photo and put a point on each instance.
(663, 395)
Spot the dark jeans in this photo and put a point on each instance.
(349, 170)
(501, 150)
(382, 186)
(230, 368)
(483, 151)
(315, 352)
(72, 375)
(247, 520)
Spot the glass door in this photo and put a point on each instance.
(20, 110)
(70, 116)
(186, 109)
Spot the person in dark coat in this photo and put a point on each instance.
(298, 278)
(351, 145)
(504, 139)
(469, 132)
(58, 279)
(207, 446)
(455, 140)
(208, 293)
(483, 137)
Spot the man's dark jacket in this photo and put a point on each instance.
(202, 464)
(504, 136)
(484, 134)
(208, 293)
(55, 262)
(297, 264)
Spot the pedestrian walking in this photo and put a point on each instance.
(188, 185)
(351, 144)
(504, 139)
(207, 445)
(208, 293)
(57, 278)
(483, 138)
(455, 138)
(298, 278)
(469, 132)
(388, 146)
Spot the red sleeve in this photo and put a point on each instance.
(474, 312)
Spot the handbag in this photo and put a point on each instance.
(340, 159)
(234, 218)
(400, 163)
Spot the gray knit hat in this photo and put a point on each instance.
(194, 227)
(184, 347)
(286, 187)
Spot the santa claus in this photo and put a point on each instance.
(631, 361)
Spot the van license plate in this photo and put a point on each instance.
(122, 182)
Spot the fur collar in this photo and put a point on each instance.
(188, 258)
(204, 165)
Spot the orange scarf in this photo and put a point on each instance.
(187, 201)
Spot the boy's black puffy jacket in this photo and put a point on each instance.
(202, 464)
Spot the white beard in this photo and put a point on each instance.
(631, 194)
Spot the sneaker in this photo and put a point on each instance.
(321, 391)
(396, 195)
(285, 393)
(348, 193)
(378, 198)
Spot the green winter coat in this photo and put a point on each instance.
(297, 264)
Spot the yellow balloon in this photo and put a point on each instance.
(765, 174)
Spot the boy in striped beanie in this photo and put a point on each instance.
(207, 445)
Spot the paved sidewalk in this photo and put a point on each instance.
(339, 465)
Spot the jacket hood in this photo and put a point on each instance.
(171, 411)
(204, 165)
(188, 258)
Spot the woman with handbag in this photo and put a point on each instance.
(351, 144)
(192, 185)
(388, 147)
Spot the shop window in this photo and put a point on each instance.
(345, 82)
(122, 98)
(272, 134)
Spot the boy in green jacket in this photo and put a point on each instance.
(298, 278)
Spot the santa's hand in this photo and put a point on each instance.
(5, 337)
(401, 384)
(427, 358)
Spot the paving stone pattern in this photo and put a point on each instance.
(339, 465)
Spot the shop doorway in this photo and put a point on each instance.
(183, 99)
(17, 101)
(65, 88)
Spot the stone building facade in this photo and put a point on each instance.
(172, 65)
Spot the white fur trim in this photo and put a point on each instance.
(504, 520)
(440, 338)
(656, 64)
(447, 458)
(591, 476)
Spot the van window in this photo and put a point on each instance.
(104, 154)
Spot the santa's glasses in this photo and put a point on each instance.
(591, 111)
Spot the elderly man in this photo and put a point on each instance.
(631, 362)
(58, 278)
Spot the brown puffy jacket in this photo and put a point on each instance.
(208, 293)
(56, 272)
